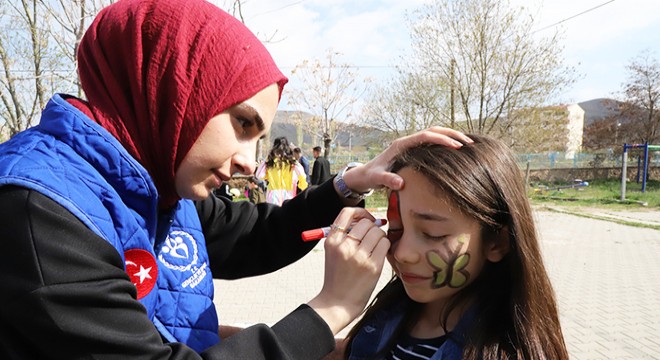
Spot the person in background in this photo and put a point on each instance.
(282, 172)
(321, 167)
(469, 280)
(224, 191)
(302, 159)
(112, 236)
(255, 193)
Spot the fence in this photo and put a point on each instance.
(557, 160)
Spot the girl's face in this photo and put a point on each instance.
(227, 145)
(436, 249)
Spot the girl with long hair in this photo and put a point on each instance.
(284, 174)
(469, 280)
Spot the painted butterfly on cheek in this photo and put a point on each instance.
(451, 270)
(395, 229)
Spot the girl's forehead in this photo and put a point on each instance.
(420, 193)
(422, 200)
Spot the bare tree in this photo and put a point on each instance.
(24, 79)
(38, 45)
(329, 91)
(484, 57)
(37, 55)
(405, 104)
(69, 21)
(641, 104)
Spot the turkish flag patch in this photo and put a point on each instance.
(142, 269)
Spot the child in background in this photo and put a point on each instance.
(282, 172)
(469, 279)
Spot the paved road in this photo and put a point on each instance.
(606, 276)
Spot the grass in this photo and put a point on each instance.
(599, 193)
(377, 200)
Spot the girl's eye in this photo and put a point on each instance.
(394, 235)
(435, 238)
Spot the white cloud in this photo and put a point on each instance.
(602, 41)
(375, 34)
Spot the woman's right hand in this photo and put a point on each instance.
(353, 262)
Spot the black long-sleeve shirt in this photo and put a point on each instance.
(65, 295)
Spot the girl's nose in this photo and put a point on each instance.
(404, 250)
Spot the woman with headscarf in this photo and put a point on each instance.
(111, 235)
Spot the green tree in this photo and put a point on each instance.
(405, 104)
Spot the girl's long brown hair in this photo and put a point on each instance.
(517, 314)
(281, 150)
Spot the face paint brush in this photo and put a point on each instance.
(317, 234)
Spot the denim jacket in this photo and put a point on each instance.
(378, 330)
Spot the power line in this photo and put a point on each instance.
(574, 16)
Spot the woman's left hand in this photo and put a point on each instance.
(375, 174)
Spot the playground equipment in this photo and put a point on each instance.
(624, 165)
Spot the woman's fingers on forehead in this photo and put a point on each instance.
(437, 135)
(450, 133)
(439, 138)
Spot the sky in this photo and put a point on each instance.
(600, 36)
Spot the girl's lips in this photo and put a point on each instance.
(413, 278)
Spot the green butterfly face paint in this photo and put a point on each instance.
(450, 269)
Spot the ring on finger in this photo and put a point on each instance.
(350, 236)
(337, 228)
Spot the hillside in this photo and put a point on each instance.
(356, 136)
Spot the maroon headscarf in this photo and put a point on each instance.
(156, 71)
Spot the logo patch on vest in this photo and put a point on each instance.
(141, 267)
(179, 253)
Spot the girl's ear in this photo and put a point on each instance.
(499, 247)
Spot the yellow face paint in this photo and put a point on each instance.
(450, 268)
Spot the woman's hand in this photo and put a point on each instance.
(375, 174)
(355, 252)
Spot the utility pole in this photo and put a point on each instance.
(452, 89)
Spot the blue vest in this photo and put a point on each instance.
(375, 334)
(78, 164)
